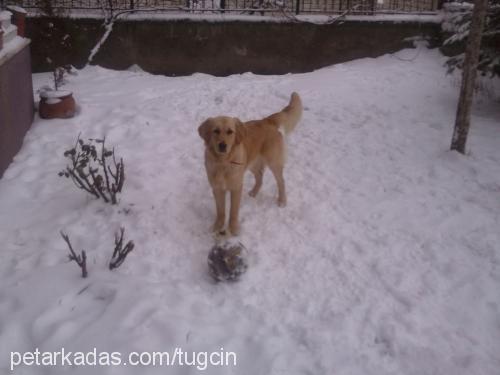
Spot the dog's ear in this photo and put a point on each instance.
(205, 130)
(241, 131)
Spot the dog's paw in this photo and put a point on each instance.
(218, 226)
(282, 202)
(221, 235)
(253, 193)
(234, 229)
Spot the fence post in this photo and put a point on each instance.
(222, 5)
(132, 5)
(297, 7)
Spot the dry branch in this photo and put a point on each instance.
(90, 171)
(120, 252)
(81, 260)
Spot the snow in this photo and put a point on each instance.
(109, 28)
(5, 16)
(54, 94)
(53, 101)
(385, 261)
(12, 47)
(17, 9)
(209, 16)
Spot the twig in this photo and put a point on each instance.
(89, 170)
(120, 252)
(121, 179)
(103, 161)
(79, 183)
(81, 260)
(97, 184)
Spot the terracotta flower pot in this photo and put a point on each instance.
(56, 104)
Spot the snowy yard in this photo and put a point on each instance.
(385, 261)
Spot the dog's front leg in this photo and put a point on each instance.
(220, 203)
(234, 227)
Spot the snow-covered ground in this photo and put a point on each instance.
(385, 261)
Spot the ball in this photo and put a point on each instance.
(227, 261)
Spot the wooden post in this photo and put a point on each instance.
(472, 50)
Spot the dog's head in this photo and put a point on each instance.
(222, 133)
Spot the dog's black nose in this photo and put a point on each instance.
(222, 147)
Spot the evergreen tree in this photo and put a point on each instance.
(470, 65)
(458, 18)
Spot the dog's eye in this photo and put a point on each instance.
(229, 132)
(217, 131)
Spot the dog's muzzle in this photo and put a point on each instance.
(222, 147)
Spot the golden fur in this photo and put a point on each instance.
(231, 147)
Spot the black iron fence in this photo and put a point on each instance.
(263, 7)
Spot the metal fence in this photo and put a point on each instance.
(261, 7)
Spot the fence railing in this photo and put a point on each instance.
(237, 6)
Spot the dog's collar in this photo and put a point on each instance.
(223, 158)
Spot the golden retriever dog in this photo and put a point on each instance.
(232, 147)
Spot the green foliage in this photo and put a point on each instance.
(457, 22)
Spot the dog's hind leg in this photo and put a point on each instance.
(257, 168)
(277, 170)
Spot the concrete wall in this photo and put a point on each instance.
(16, 104)
(182, 47)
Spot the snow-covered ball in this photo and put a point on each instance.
(227, 261)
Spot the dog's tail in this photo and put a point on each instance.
(289, 116)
